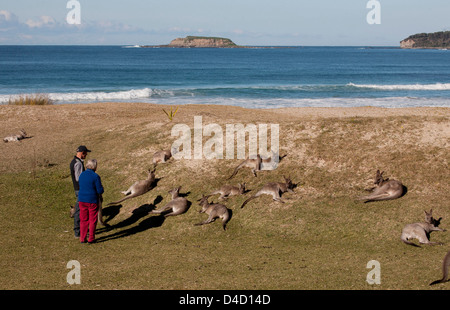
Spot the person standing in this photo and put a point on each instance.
(91, 190)
(76, 168)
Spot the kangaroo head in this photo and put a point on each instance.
(429, 216)
(72, 211)
(242, 188)
(203, 201)
(175, 191)
(378, 178)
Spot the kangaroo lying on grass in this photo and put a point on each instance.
(254, 164)
(421, 231)
(138, 188)
(100, 212)
(161, 157)
(214, 210)
(178, 205)
(226, 191)
(13, 138)
(275, 189)
(445, 265)
(385, 189)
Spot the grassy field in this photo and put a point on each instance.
(321, 238)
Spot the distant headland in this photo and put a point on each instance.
(205, 42)
(436, 40)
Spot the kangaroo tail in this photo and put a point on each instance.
(245, 202)
(100, 214)
(445, 266)
(235, 172)
(438, 281)
(123, 199)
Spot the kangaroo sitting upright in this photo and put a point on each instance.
(445, 265)
(385, 189)
(138, 188)
(252, 163)
(275, 189)
(161, 157)
(421, 231)
(226, 191)
(176, 206)
(13, 138)
(214, 210)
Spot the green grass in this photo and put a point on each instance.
(321, 238)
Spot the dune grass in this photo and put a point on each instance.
(32, 99)
(321, 238)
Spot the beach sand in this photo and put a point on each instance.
(58, 129)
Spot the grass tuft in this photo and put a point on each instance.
(33, 99)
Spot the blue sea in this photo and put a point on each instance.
(252, 78)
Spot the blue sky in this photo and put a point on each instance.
(246, 22)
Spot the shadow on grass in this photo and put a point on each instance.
(138, 213)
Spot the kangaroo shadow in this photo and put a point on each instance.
(151, 222)
(136, 215)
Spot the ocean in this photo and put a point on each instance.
(251, 78)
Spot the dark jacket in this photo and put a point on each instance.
(76, 168)
(90, 187)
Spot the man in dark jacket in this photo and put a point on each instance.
(76, 168)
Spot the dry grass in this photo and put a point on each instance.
(322, 238)
(33, 99)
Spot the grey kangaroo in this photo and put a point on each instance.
(13, 138)
(421, 231)
(253, 163)
(384, 189)
(445, 265)
(138, 188)
(275, 189)
(161, 157)
(178, 205)
(215, 211)
(226, 191)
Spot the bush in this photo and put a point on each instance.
(33, 99)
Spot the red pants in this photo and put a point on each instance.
(88, 220)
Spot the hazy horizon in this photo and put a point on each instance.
(248, 22)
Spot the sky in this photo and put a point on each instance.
(246, 22)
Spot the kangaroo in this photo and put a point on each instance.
(13, 138)
(226, 191)
(100, 212)
(161, 157)
(384, 189)
(275, 189)
(445, 265)
(176, 206)
(214, 210)
(254, 164)
(421, 231)
(138, 188)
(271, 162)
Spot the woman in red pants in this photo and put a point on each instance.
(91, 191)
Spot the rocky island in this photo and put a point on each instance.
(436, 40)
(204, 42)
